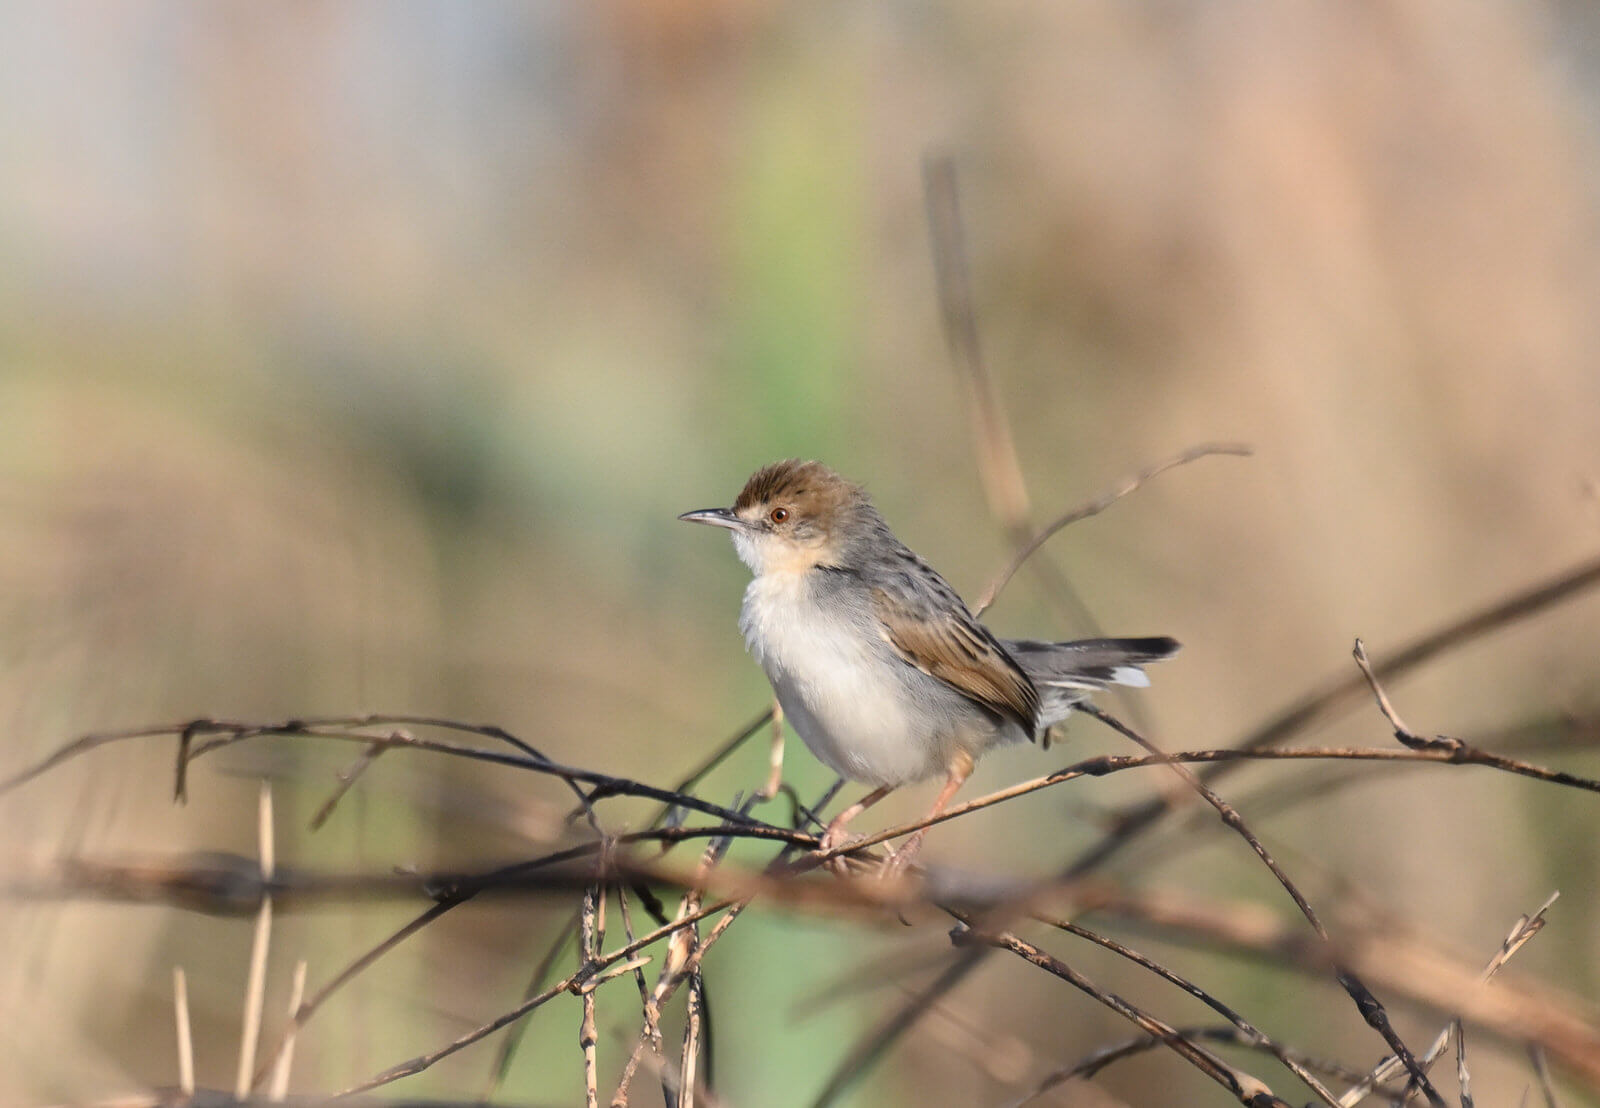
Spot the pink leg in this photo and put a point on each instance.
(834, 837)
(960, 769)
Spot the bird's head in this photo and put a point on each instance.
(791, 517)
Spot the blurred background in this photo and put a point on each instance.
(359, 356)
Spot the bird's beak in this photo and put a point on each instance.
(717, 517)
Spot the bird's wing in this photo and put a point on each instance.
(947, 643)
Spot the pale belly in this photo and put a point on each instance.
(861, 711)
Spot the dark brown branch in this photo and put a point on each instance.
(345, 729)
(221, 885)
(1245, 1088)
(1252, 1036)
(1229, 1036)
(1457, 751)
(1521, 932)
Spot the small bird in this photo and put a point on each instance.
(876, 662)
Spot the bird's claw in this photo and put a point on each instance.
(835, 842)
(898, 860)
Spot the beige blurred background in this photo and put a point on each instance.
(358, 357)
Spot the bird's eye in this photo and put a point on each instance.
(778, 515)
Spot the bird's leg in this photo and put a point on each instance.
(960, 769)
(834, 837)
(775, 776)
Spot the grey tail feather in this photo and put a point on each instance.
(1066, 673)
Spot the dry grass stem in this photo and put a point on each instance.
(1463, 1078)
(688, 1065)
(280, 1072)
(180, 1013)
(572, 983)
(1366, 1002)
(591, 936)
(650, 1032)
(996, 452)
(681, 963)
(774, 755)
(255, 990)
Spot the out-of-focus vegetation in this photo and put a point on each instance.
(359, 356)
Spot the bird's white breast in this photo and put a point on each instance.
(839, 690)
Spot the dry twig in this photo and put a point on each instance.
(1097, 505)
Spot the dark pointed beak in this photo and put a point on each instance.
(717, 517)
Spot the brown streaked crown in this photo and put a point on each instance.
(811, 488)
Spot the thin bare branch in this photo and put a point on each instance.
(1340, 694)
(1542, 1072)
(1245, 1088)
(506, 1051)
(680, 965)
(1409, 966)
(870, 1049)
(1253, 1035)
(1523, 930)
(217, 886)
(347, 778)
(572, 983)
(1097, 505)
(1384, 706)
(1231, 1036)
(226, 733)
(310, 1008)
(1366, 1002)
(650, 1032)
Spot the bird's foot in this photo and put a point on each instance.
(898, 860)
(835, 841)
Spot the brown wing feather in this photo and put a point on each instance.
(955, 648)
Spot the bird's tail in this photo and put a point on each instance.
(1065, 673)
